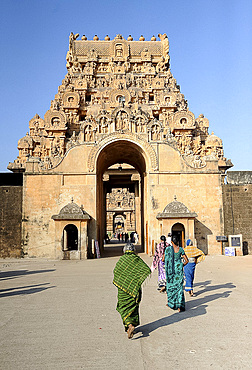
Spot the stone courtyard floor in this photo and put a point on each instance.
(61, 315)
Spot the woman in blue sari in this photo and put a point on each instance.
(175, 259)
(195, 256)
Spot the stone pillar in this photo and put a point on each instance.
(83, 240)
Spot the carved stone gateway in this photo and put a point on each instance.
(119, 103)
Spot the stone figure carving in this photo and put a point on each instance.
(72, 37)
(76, 66)
(155, 133)
(184, 141)
(88, 133)
(122, 121)
(165, 42)
(170, 138)
(55, 121)
(74, 140)
(104, 125)
(161, 66)
(55, 105)
(140, 124)
(55, 148)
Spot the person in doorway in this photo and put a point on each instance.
(175, 259)
(107, 240)
(136, 237)
(158, 262)
(195, 256)
(126, 237)
(129, 274)
(132, 239)
(168, 240)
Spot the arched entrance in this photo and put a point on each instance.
(70, 240)
(70, 237)
(179, 230)
(121, 169)
(118, 224)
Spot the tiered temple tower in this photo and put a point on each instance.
(119, 103)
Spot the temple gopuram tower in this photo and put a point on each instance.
(119, 148)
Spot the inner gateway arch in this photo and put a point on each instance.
(119, 149)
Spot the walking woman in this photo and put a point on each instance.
(157, 262)
(175, 259)
(129, 274)
(195, 256)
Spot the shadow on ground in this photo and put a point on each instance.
(194, 307)
(23, 290)
(6, 275)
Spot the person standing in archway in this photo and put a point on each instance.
(129, 274)
(175, 259)
(136, 239)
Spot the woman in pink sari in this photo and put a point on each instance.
(157, 262)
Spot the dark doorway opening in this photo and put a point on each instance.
(70, 238)
(179, 230)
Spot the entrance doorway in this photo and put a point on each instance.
(179, 230)
(120, 193)
(70, 240)
(121, 184)
(118, 224)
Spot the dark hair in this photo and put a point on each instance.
(163, 238)
(175, 239)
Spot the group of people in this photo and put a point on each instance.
(175, 265)
(125, 237)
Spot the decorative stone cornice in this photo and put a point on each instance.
(71, 212)
(176, 209)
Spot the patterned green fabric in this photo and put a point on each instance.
(128, 308)
(130, 272)
(174, 278)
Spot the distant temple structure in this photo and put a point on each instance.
(119, 147)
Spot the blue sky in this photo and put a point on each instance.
(210, 51)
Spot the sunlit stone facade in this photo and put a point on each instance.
(119, 121)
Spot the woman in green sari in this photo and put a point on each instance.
(175, 259)
(129, 274)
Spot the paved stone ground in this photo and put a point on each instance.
(61, 315)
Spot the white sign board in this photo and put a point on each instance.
(229, 251)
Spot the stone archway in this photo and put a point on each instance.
(117, 152)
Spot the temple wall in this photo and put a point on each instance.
(10, 221)
(75, 161)
(44, 196)
(201, 193)
(237, 200)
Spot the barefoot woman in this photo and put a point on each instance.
(129, 274)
